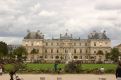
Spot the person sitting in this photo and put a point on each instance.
(1, 71)
(102, 70)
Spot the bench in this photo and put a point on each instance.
(42, 78)
(102, 78)
(59, 78)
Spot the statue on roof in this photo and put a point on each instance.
(97, 35)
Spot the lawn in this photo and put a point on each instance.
(84, 66)
(94, 66)
(36, 67)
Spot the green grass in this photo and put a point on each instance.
(43, 66)
(94, 66)
(36, 67)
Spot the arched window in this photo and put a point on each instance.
(57, 57)
(75, 57)
(94, 51)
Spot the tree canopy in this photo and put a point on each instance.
(3, 49)
(20, 52)
(115, 54)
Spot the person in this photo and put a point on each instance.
(11, 73)
(55, 66)
(17, 78)
(1, 71)
(102, 70)
(118, 71)
(59, 70)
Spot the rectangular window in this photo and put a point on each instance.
(80, 57)
(80, 50)
(74, 50)
(57, 50)
(94, 43)
(86, 51)
(51, 44)
(51, 50)
(80, 44)
(85, 44)
(74, 44)
(45, 50)
(46, 44)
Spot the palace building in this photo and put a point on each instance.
(90, 50)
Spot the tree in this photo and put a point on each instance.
(20, 53)
(114, 54)
(108, 56)
(3, 50)
(33, 52)
(100, 54)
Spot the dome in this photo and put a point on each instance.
(34, 35)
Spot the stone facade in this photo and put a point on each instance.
(83, 50)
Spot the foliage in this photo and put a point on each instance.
(108, 56)
(33, 52)
(73, 67)
(3, 49)
(113, 55)
(20, 52)
(49, 68)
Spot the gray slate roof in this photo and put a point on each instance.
(34, 35)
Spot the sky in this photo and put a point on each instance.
(53, 17)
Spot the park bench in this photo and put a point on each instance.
(42, 78)
(59, 78)
(102, 78)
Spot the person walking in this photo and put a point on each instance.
(118, 71)
(1, 70)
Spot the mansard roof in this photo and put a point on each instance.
(66, 36)
(98, 35)
(34, 35)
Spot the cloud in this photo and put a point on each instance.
(47, 13)
(108, 5)
(53, 17)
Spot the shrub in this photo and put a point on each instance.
(73, 67)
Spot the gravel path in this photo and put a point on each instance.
(63, 76)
